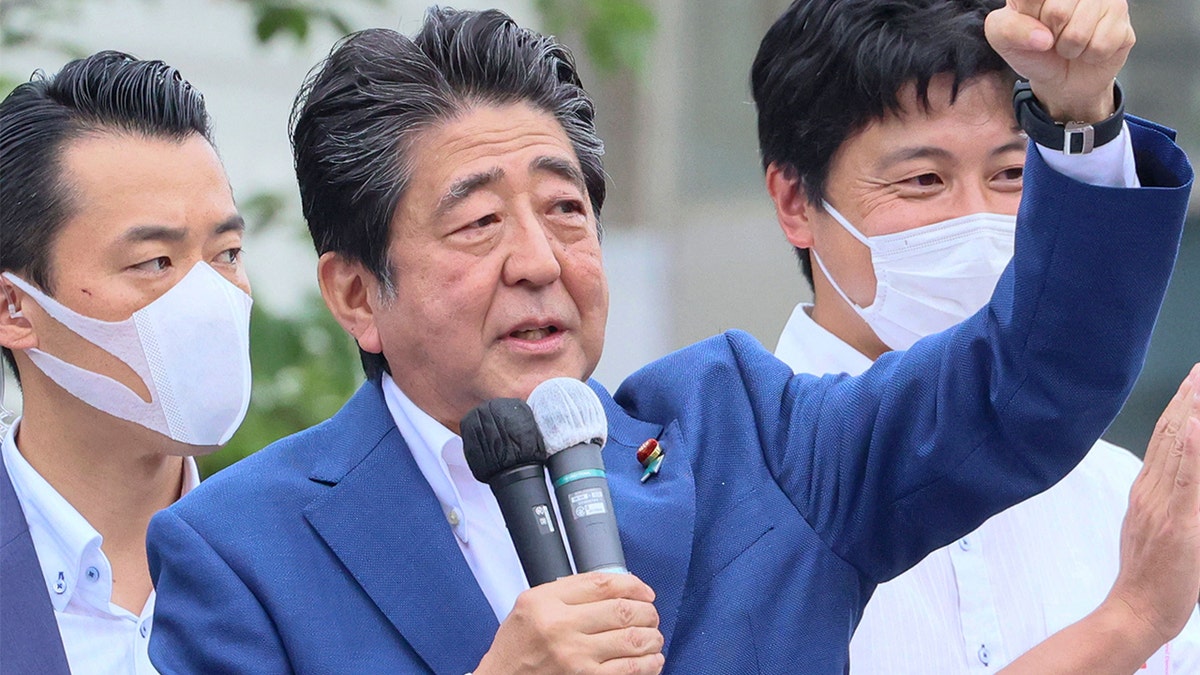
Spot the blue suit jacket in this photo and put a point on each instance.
(29, 637)
(782, 500)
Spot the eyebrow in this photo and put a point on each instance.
(463, 187)
(234, 223)
(561, 168)
(142, 233)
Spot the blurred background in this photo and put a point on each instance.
(691, 243)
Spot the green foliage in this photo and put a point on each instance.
(304, 366)
(616, 33)
(276, 17)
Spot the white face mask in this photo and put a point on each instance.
(191, 348)
(930, 278)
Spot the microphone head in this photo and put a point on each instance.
(498, 435)
(568, 413)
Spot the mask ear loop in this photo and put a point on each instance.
(7, 417)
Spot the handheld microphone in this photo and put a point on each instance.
(574, 428)
(504, 449)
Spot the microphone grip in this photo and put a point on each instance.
(525, 505)
(581, 486)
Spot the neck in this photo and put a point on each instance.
(832, 313)
(114, 473)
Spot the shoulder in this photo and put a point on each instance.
(725, 367)
(287, 474)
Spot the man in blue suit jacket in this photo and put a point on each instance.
(451, 184)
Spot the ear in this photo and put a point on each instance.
(791, 205)
(351, 293)
(16, 332)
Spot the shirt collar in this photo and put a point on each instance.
(67, 546)
(434, 448)
(808, 348)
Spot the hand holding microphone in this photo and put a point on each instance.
(586, 623)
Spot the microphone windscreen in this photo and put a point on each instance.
(500, 434)
(568, 413)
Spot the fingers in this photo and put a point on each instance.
(626, 643)
(596, 586)
(1168, 426)
(1073, 24)
(615, 614)
(1013, 32)
(651, 664)
(1185, 498)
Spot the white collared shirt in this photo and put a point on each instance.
(97, 635)
(979, 603)
(472, 512)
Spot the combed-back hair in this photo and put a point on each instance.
(827, 68)
(106, 92)
(359, 114)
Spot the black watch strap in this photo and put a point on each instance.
(1072, 138)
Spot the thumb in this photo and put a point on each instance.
(1011, 33)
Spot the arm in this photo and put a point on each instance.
(1159, 580)
(970, 421)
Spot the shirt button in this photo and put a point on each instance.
(453, 518)
(144, 629)
(964, 544)
(93, 574)
(984, 656)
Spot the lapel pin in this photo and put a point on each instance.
(650, 456)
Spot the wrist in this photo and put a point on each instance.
(1131, 636)
(1080, 132)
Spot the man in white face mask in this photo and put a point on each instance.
(124, 312)
(901, 198)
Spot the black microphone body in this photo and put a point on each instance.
(504, 449)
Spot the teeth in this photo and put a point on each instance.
(532, 333)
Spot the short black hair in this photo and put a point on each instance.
(827, 68)
(106, 92)
(358, 115)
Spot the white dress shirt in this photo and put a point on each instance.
(97, 635)
(979, 603)
(472, 512)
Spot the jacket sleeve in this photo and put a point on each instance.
(208, 621)
(927, 444)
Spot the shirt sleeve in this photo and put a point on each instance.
(1110, 165)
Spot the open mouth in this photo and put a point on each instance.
(534, 334)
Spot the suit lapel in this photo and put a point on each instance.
(656, 518)
(383, 521)
(29, 637)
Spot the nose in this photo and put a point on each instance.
(531, 256)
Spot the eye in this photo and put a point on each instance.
(569, 206)
(925, 180)
(230, 256)
(489, 219)
(1015, 173)
(154, 265)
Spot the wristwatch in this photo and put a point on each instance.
(1072, 138)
